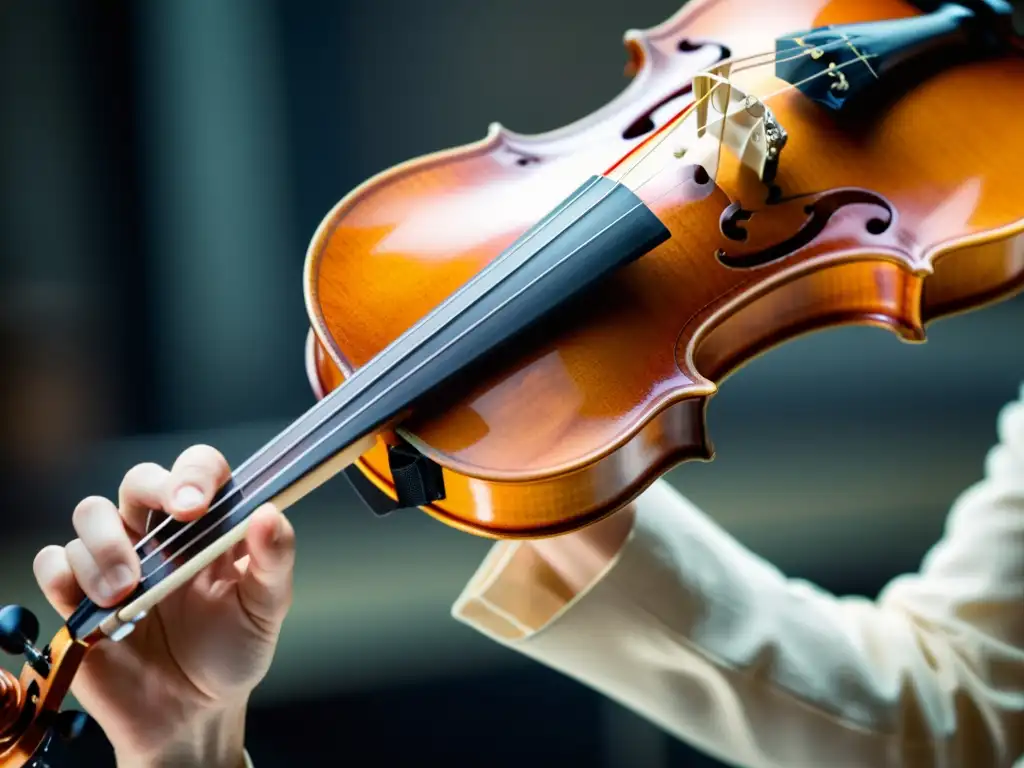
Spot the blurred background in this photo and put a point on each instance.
(162, 168)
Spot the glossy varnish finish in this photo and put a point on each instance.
(35, 701)
(588, 410)
(10, 699)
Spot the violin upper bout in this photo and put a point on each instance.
(637, 55)
(640, 42)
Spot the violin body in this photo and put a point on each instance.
(893, 222)
(816, 189)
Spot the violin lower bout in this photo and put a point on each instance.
(549, 505)
(558, 499)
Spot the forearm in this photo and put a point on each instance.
(674, 618)
(580, 558)
(719, 648)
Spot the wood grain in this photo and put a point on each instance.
(583, 414)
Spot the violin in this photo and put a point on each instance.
(519, 335)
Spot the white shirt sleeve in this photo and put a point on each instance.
(699, 635)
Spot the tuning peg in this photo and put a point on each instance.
(71, 724)
(57, 747)
(19, 630)
(17, 626)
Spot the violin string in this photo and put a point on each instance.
(191, 543)
(773, 55)
(339, 426)
(166, 522)
(203, 534)
(687, 113)
(860, 60)
(378, 360)
(361, 373)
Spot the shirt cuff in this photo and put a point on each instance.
(709, 641)
(516, 593)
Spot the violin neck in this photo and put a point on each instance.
(173, 552)
(600, 227)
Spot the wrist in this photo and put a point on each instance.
(581, 557)
(213, 740)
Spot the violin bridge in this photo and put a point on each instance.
(740, 122)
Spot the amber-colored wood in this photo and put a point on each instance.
(588, 411)
(23, 726)
(893, 222)
(10, 701)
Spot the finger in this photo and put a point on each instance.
(237, 552)
(226, 567)
(196, 476)
(265, 589)
(102, 557)
(232, 564)
(57, 580)
(143, 490)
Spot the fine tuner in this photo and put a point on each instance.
(539, 322)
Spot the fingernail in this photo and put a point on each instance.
(117, 581)
(188, 497)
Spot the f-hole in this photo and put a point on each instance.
(645, 123)
(819, 212)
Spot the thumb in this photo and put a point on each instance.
(265, 589)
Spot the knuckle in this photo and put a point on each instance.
(287, 534)
(109, 553)
(86, 510)
(201, 463)
(139, 477)
(203, 455)
(76, 553)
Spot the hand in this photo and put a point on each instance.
(175, 691)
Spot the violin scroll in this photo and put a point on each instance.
(30, 705)
(10, 701)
